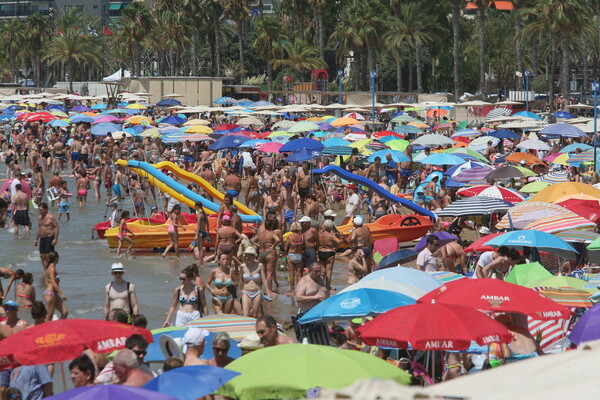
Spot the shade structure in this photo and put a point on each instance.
(445, 276)
(303, 143)
(344, 121)
(555, 192)
(66, 339)
(506, 172)
(520, 157)
(172, 120)
(442, 159)
(534, 187)
(464, 152)
(562, 114)
(588, 326)
(407, 129)
(396, 258)
(139, 120)
(81, 118)
(403, 118)
(303, 126)
(480, 244)
(477, 205)
(270, 147)
(559, 223)
(534, 144)
(433, 141)
(562, 129)
(356, 303)
(136, 106)
(397, 156)
(106, 118)
(555, 177)
(522, 274)
(576, 236)
(228, 142)
(495, 295)
(303, 155)
(288, 371)
(571, 298)
(443, 239)
(530, 211)
(104, 128)
(387, 285)
(558, 282)
(595, 245)
(191, 382)
(573, 147)
(428, 326)
(505, 134)
(481, 143)
(113, 392)
(406, 276)
(588, 208)
(492, 191)
(457, 169)
(466, 132)
(168, 102)
(250, 121)
(541, 240)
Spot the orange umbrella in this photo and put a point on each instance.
(530, 159)
(139, 120)
(344, 121)
(440, 112)
(419, 125)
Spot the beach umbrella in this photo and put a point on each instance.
(286, 124)
(555, 192)
(139, 120)
(534, 187)
(355, 116)
(356, 303)
(588, 208)
(541, 240)
(388, 135)
(527, 114)
(168, 102)
(555, 177)
(80, 108)
(571, 298)
(507, 172)
(573, 147)
(224, 100)
(587, 328)
(470, 175)
(558, 282)
(397, 156)
(58, 123)
(106, 118)
(407, 129)
(461, 151)
(81, 118)
(191, 382)
(288, 371)
(457, 169)
(406, 276)
(433, 140)
(302, 143)
(479, 245)
(530, 211)
(113, 392)
(249, 121)
(559, 223)
(228, 142)
(443, 238)
(172, 120)
(496, 192)
(303, 126)
(557, 158)
(495, 295)
(254, 143)
(442, 159)
(196, 121)
(198, 129)
(65, 339)
(521, 274)
(403, 118)
(466, 132)
(433, 327)
(562, 129)
(562, 114)
(335, 142)
(445, 276)
(104, 128)
(237, 326)
(119, 111)
(577, 236)
(270, 147)
(303, 155)
(584, 157)
(387, 285)
(136, 106)
(337, 151)
(480, 144)
(398, 144)
(478, 205)
(504, 134)
(396, 258)
(533, 144)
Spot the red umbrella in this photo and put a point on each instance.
(480, 244)
(381, 134)
(24, 186)
(261, 135)
(496, 192)
(225, 127)
(498, 296)
(64, 340)
(588, 209)
(430, 326)
(37, 116)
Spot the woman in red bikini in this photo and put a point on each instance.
(122, 235)
(25, 292)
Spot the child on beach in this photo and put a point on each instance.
(173, 231)
(122, 235)
(63, 201)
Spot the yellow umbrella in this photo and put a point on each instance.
(559, 190)
(198, 129)
(136, 106)
(419, 125)
(139, 120)
(344, 121)
(361, 145)
(196, 121)
(150, 133)
(562, 159)
(315, 119)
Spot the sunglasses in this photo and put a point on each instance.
(183, 279)
(117, 272)
(140, 352)
(220, 350)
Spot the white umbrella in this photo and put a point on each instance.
(433, 141)
(534, 144)
(480, 144)
(250, 121)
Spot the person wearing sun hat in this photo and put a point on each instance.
(120, 294)
(250, 343)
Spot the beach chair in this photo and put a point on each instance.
(52, 195)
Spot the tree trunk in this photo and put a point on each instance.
(585, 66)
(482, 80)
(13, 68)
(194, 54)
(269, 76)
(38, 66)
(564, 44)
(261, 8)
(398, 74)
(320, 34)
(535, 51)
(172, 62)
(217, 47)
(70, 69)
(518, 43)
(455, 47)
(552, 71)
(137, 66)
(240, 29)
(419, 72)
(410, 71)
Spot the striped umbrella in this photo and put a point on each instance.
(556, 177)
(471, 174)
(337, 151)
(496, 192)
(558, 223)
(586, 156)
(577, 236)
(478, 205)
(407, 129)
(529, 211)
(480, 144)
(568, 297)
(238, 327)
(466, 132)
(446, 276)
(498, 112)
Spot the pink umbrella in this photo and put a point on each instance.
(24, 186)
(107, 118)
(271, 147)
(551, 157)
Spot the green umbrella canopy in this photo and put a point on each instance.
(398, 144)
(560, 282)
(534, 187)
(522, 274)
(595, 245)
(462, 125)
(462, 150)
(303, 126)
(288, 371)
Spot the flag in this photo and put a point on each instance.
(92, 31)
(107, 31)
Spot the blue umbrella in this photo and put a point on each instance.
(224, 100)
(168, 102)
(155, 353)
(562, 129)
(407, 276)
(302, 143)
(56, 107)
(407, 129)
(228, 142)
(396, 258)
(562, 114)
(451, 183)
(356, 303)
(504, 134)
(81, 118)
(192, 382)
(386, 139)
(540, 240)
(254, 143)
(397, 156)
(131, 131)
(303, 155)
(113, 392)
(128, 111)
(58, 123)
(466, 132)
(172, 120)
(260, 103)
(104, 128)
(572, 148)
(318, 134)
(527, 114)
(442, 159)
(324, 126)
(99, 106)
(335, 142)
(8, 117)
(337, 151)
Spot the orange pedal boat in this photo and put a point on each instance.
(402, 227)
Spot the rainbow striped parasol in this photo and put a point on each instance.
(567, 297)
(446, 276)
(559, 223)
(238, 327)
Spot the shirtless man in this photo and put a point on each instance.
(116, 187)
(75, 151)
(360, 238)
(233, 184)
(266, 329)
(120, 294)
(209, 176)
(107, 175)
(291, 200)
(12, 317)
(302, 184)
(20, 203)
(406, 169)
(47, 235)
(311, 241)
(311, 289)
(328, 244)
(59, 156)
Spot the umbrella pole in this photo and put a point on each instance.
(62, 374)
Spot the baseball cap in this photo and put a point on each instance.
(358, 220)
(117, 267)
(225, 218)
(113, 204)
(329, 213)
(195, 336)
(352, 187)
(305, 219)
(11, 303)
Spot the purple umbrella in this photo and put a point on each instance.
(80, 109)
(444, 238)
(325, 126)
(113, 392)
(588, 326)
(472, 174)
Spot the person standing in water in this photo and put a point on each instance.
(120, 294)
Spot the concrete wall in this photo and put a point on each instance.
(195, 90)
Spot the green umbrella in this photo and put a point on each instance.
(462, 125)
(534, 187)
(526, 171)
(560, 282)
(403, 118)
(288, 371)
(304, 126)
(522, 274)
(398, 144)
(595, 245)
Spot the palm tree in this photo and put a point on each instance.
(300, 57)
(213, 12)
(12, 34)
(238, 11)
(36, 34)
(481, 7)
(268, 34)
(319, 6)
(456, 7)
(135, 22)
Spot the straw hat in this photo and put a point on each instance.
(250, 342)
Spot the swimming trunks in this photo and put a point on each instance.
(310, 256)
(21, 218)
(46, 245)
(303, 192)
(325, 255)
(294, 257)
(116, 189)
(63, 207)
(226, 248)
(75, 156)
(289, 216)
(234, 193)
(367, 251)
(405, 172)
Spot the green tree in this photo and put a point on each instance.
(135, 22)
(300, 57)
(237, 11)
(268, 33)
(36, 34)
(13, 34)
